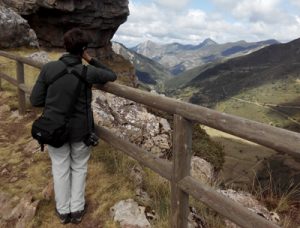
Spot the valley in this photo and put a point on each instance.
(264, 86)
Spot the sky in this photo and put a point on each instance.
(192, 21)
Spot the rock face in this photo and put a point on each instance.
(13, 25)
(248, 201)
(130, 120)
(51, 18)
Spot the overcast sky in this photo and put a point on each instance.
(192, 21)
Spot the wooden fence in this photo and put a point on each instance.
(178, 171)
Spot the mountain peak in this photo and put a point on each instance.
(148, 43)
(207, 42)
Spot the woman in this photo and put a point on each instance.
(69, 162)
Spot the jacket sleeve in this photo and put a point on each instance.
(39, 91)
(97, 73)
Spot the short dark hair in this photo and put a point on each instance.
(75, 40)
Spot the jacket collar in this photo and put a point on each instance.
(71, 59)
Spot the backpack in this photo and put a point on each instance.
(47, 131)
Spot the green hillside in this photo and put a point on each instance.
(263, 86)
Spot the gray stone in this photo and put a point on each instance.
(165, 126)
(132, 121)
(40, 56)
(202, 170)
(143, 197)
(129, 214)
(247, 200)
(15, 30)
(136, 175)
(20, 215)
(24, 212)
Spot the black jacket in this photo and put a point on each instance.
(57, 97)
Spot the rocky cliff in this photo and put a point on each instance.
(51, 18)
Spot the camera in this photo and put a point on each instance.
(91, 139)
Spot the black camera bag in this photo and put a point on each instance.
(47, 131)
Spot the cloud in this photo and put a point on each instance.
(295, 3)
(229, 21)
(252, 11)
(177, 5)
(258, 10)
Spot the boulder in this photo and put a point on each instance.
(40, 56)
(143, 198)
(129, 214)
(15, 30)
(247, 200)
(51, 18)
(136, 175)
(202, 170)
(132, 121)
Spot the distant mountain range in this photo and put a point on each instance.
(148, 71)
(178, 58)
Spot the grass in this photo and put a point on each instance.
(31, 73)
(281, 92)
(282, 200)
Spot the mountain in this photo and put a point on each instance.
(147, 70)
(179, 57)
(264, 85)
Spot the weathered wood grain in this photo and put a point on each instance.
(182, 154)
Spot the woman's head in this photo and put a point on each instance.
(75, 41)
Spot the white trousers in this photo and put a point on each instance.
(69, 169)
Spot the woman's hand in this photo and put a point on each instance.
(86, 56)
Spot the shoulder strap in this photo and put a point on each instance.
(57, 76)
(77, 90)
(63, 72)
(82, 76)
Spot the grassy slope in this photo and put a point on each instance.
(263, 98)
(243, 159)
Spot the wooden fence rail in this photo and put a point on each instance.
(178, 171)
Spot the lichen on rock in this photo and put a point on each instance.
(132, 121)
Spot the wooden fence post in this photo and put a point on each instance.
(21, 93)
(182, 153)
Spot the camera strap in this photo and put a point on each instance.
(89, 115)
